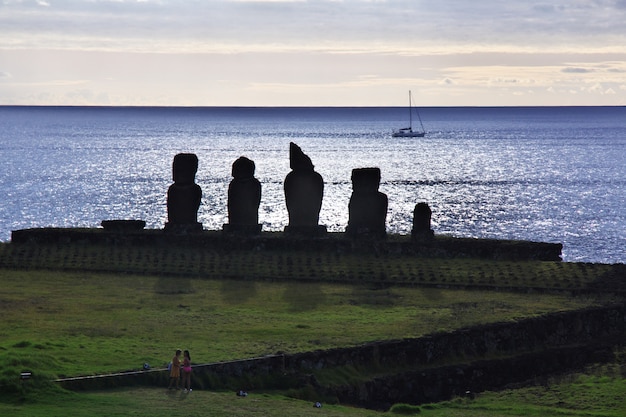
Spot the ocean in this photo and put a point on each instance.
(551, 174)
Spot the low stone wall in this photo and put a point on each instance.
(443, 383)
(579, 327)
(525, 350)
(231, 374)
(439, 246)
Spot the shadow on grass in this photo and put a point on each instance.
(237, 292)
(303, 297)
(174, 285)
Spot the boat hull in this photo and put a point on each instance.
(404, 134)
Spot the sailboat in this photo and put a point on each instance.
(408, 132)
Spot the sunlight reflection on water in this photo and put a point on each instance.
(492, 179)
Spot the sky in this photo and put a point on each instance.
(313, 52)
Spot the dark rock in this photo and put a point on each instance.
(123, 225)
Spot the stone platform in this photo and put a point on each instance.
(437, 246)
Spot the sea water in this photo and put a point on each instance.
(553, 174)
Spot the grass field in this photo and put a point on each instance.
(94, 323)
(587, 396)
(62, 316)
(598, 393)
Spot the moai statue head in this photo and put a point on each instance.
(304, 191)
(244, 197)
(421, 222)
(365, 180)
(184, 196)
(184, 168)
(243, 168)
(368, 206)
(298, 160)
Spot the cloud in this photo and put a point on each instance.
(574, 70)
(600, 89)
(218, 51)
(54, 83)
(394, 25)
(505, 81)
(596, 88)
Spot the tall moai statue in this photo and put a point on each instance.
(368, 206)
(184, 196)
(421, 222)
(304, 191)
(244, 198)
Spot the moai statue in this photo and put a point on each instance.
(421, 222)
(304, 190)
(183, 197)
(244, 197)
(368, 206)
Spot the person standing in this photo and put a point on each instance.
(186, 371)
(175, 370)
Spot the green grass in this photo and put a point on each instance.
(597, 393)
(94, 323)
(158, 402)
(223, 306)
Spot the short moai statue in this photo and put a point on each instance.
(244, 198)
(368, 206)
(421, 222)
(184, 196)
(304, 191)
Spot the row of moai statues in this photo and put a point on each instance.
(304, 192)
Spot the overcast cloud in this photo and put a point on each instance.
(325, 52)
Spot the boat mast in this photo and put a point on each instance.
(410, 114)
(418, 114)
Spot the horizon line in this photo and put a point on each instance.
(300, 107)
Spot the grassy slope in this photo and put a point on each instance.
(157, 402)
(597, 393)
(83, 322)
(582, 395)
(93, 323)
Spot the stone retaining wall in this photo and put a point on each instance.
(229, 374)
(526, 349)
(465, 380)
(439, 246)
(579, 327)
